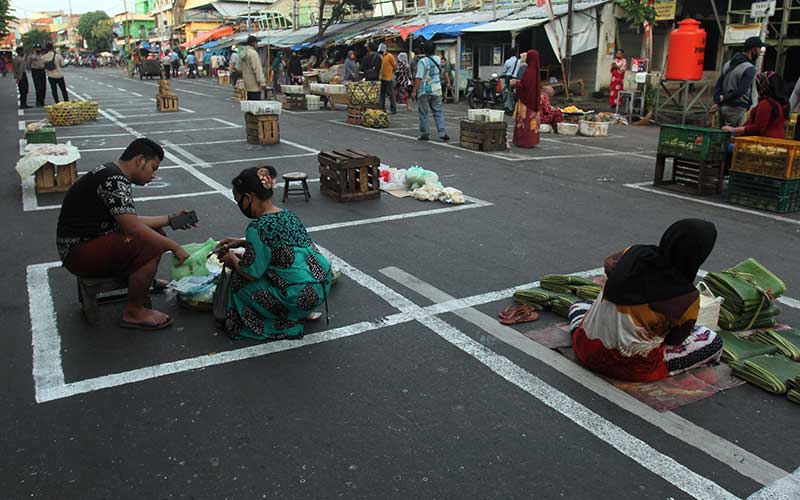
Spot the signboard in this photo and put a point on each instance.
(639, 64)
(762, 9)
(665, 9)
(736, 34)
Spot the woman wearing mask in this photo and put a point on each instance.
(281, 276)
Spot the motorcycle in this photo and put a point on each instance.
(484, 93)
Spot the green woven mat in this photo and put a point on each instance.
(768, 371)
(787, 341)
(735, 348)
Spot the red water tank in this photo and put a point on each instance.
(687, 48)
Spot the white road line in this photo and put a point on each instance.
(475, 203)
(29, 200)
(300, 146)
(178, 89)
(111, 111)
(642, 186)
(88, 96)
(245, 160)
(136, 94)
(787, 488)
(21, 124)
(158, 113)
(20, 112)
(229, 141)
(203, 129)
(227, 123)
(739, 459)
(48, 374)
(632, 447)
(140, 199)
(223, 190)
(598, 148)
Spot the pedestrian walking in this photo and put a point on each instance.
(175, 61)
(20, 67)
(295, 69)
(234, 66)
(526, 113)
(733, 90)
(511, 72)
(428, 92)
(388, 63)
(38, 74)
(206, 63)
(53, 63)
(191, 61)
(166, 65)
(252, 71)
(404, 80)
(214, 60)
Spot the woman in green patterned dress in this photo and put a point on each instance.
(281, 277)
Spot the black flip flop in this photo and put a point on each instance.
(145, 326)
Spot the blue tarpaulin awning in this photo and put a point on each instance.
(430, 31)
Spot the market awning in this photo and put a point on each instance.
(408, 30)
(430, 31)
(506, 25)
(209, 36)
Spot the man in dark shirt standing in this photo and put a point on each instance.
(39, 75)
(733, 91)
(99, 234)
(371, 64)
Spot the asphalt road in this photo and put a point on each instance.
(407, 393)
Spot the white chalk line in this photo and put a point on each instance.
(643, 186)
(787, 488)
(739, 459)
(136, 199)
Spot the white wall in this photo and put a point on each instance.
(605, 46)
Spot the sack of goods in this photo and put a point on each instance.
(749, 291)
(363, 93)
(375, 118)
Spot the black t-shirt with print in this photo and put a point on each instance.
(90, 205)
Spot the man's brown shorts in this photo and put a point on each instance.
(110, 256)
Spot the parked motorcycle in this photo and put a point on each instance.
(485, 94)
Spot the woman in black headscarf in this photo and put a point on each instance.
(642, 326)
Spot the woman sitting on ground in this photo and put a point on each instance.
(281, 277)
(549, 114)
(768, 117)
(642, 326)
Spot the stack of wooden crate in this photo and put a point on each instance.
(483, 136)
(166, 100)
(698, 158)
(765, 174)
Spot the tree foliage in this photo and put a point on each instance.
(33, 37)
(5, 17)
(91, 27)
(638, 11)
(340, 9)
(102, 34)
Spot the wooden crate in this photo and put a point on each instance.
(349, 175)
(166, 103)
(239, 94)
(55, 179)
(355, 114)
(483, 136)
(164, 87)
(295, 102)
(690, 176)
(262, 129)
(224, 79)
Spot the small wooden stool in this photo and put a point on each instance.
(92, 292)
(295, 177)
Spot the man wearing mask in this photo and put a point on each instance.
(733, 91)
(252, 71)
(38, 74)
(371, 65)
(21, 75)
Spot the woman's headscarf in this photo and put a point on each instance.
(770, 87)
(402, 57)
(650, 273)
(350, 69)
(531, 86)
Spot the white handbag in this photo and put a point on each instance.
(709, 308)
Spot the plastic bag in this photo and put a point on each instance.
(416, 177)
(195, 265)
(452, 195)
(396, 178)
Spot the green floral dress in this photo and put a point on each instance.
(292, 279)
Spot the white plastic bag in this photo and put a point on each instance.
(709, 308)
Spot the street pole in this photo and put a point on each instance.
(570, 12)
(494, 10)
(763, 37)
(248, 16)
(427, 12)
(127, 26)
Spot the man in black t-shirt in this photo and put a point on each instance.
(371, 64)
(99, 234)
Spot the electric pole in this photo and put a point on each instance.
(570, 12)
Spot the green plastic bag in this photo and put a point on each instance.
(195, 265)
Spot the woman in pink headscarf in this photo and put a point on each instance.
(526, 114)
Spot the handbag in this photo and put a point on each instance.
(51, 64)
(219, 306)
